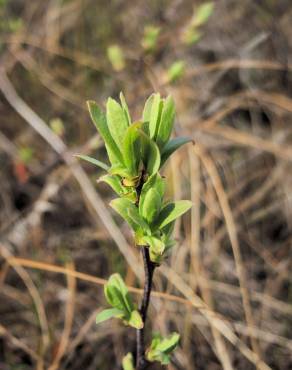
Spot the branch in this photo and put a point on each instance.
(149, 267)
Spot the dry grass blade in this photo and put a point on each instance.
(94, 200)
(19, 344)
(69, 316)
(40, 309)
(191, 300)
(238, 64)
(231, 228)
(197, 267)
(245, 139)
(223, 327)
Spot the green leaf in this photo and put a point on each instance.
(94, 161)
(108, 314)
(150, 154)
(202, 14)
(155, 115)
(166, 122)
(171, 147)
(147, 109)
(129, 212)
(191, 35)
(156, 248)
(115, 298)
(168, 229)
(57, 126)
(150, 206)
(176, 70)
(151, 34)
(132, 148)
(115, 183)
(121, 171)
(172, 211)
(167, 345)
(26, 154)
(99, 119)
(135, 320)
(128, 362)
(161, 348)
(155, 181)
(116, 57)
(125, 108)
(117, 121)
(117, 294)
(138, 220)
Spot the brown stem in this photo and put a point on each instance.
(149, 267)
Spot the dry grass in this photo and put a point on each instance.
(227, 286)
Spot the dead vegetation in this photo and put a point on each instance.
(227, 286)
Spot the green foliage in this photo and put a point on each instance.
(117, 295)
(26, 154)
(108, 314)
(176, 70)
(161, 348)
(94, 161)
(116, 57)
(150, 38)
(100, 121)
(57, 126)
(172, 146)
(172, 211)
(136, 152)
(200, 16)
(128, 362)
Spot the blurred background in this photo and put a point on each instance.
(228, 281)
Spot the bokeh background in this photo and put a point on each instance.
(228, 281)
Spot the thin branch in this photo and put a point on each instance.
(149, 270)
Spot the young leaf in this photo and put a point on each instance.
(191, 35)
(117, 121)
(155, 114)
(147, 109)
(149, 40)
(128, 362)
(161, 348)
(121, 171)
(138, 220)
(167, 345)
(117, 294)
(176, 71)
(150, 206)
(94, 161)
(202, 14)
(132, 148)
(128, 211)
(135, 320)
(156, 247)
(125, 108)
(172, 211)
(156, 182)
(166, 122)
(108, 314)
(114, 298)
(168, 229)
(115, 183)
(171, 147)
(116, 57)
(99, 119)
(150, 154)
